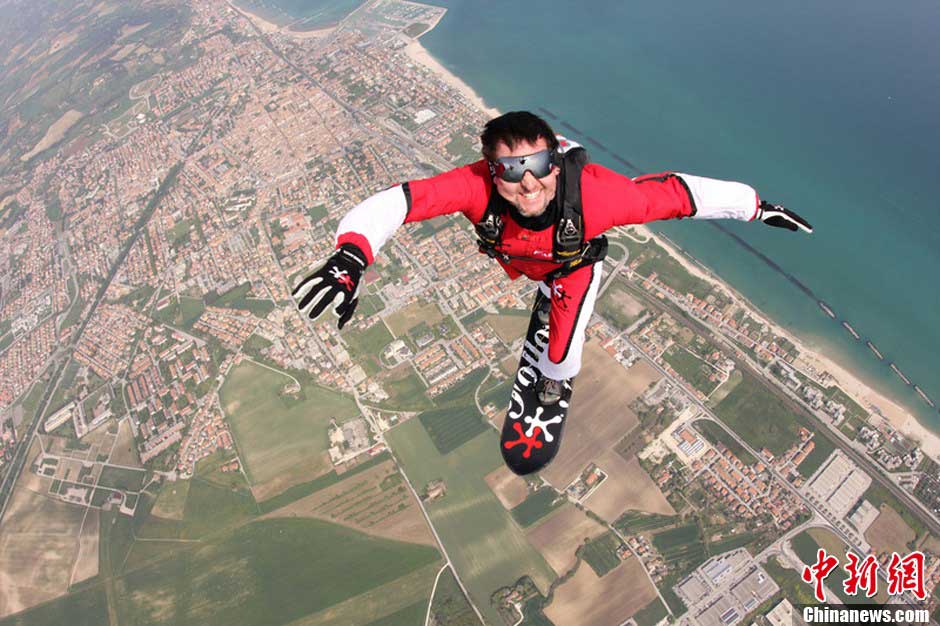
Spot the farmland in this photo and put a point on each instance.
(601, 553)
(283, 438)
(375, 501)
(682, 546)
(510, 488)
(633, 522)
(588, 600)
(271, 571)
(451, 428)
(537, 506)
(627, 486)
(485, 545)
(559, 535)
(39, 546)
(598, 415)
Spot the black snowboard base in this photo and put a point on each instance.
(531, 433)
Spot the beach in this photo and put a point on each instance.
(419, 54)
(811, 359)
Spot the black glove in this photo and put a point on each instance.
(339, 276)
(782, 217)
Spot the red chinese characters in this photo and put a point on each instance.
(907, 574)
(904, 574)
(817, 573)
(862, 574)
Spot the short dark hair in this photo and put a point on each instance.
(513, 127)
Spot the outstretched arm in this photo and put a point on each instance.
(719, 199)
(673, 195)
(370, 224)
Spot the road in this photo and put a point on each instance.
(796, 403)
(10, 478)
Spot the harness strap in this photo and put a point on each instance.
(568, 245)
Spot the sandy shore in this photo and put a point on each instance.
(899, 417)
(419, 54)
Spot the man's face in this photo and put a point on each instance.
(531, 195)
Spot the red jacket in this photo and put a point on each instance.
(608, 199)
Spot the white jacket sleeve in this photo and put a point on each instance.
(720, 199)
(373, 221)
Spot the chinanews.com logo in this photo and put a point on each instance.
(905, 578)
(865, 614)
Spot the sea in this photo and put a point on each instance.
(829, 108)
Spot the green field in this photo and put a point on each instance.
(182, 313)
(210, 507)
(209, 469)
(449, 606)
(671, 273)
(280, 436)
(650, 614)
(725, 388)
(715, 434)
(601, 553)
(122, 478)
(760, 418)
(682, 547)
(411, 614)
(237, 298)
(266, 572)
(171, 501)
(462, 391)
(88, 607)
(878, 495)
(366, 346)
(451, 428)
(498, 396)
(537, 506)
(692, 369)
(485, 545)
(731, 543)
(405, 390)
(609, 308)
(789, 581)
(633, 522)
(397, 603)
(292, 494)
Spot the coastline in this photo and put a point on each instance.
(419, 54)
(811, 358)
(896, 415)
(266, 26)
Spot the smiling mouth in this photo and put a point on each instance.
(530, 196)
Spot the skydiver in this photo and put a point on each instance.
(545, 221)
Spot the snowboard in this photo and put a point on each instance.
(531, 434)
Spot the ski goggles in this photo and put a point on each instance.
(513, 169)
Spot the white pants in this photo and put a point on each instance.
(573, 299)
